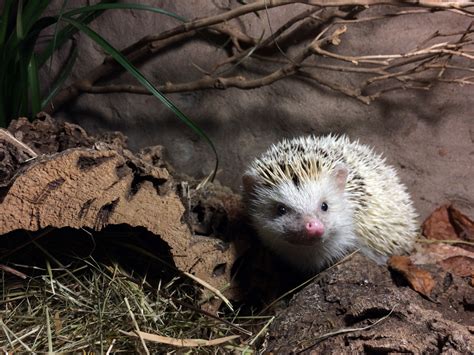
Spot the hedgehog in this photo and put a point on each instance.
(313, 200)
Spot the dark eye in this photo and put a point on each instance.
(281, 210)
(324, 206)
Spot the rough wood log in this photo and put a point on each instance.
(338, 314)
(95, 185)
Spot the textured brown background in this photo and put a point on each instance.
(428, 136)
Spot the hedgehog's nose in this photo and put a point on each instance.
(314, 228)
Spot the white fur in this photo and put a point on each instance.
(305, 202)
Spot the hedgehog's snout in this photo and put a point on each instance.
(314, 228)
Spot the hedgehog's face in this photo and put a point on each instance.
(311, 213)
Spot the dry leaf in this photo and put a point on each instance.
(459, 265)
(436, 252)
(462, 224)
(420, 280)
(447, 222)
(438, 225)
(181, 342)
(453, 259)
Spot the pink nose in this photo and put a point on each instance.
(314, 228)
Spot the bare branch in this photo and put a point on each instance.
(269, 39)
(405, 68)
(346, 90)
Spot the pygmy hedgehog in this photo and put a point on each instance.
(314, 199)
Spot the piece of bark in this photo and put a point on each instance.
(93, 188)
(46, 136)
(13, 153)
(357, 293)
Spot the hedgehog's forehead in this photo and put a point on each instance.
(298, 168)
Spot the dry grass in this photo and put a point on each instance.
(79, 303)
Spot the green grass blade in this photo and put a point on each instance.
(59, 17)
(32, 11)
(60, 37)
(19, 90)
(19, 20)
(87, 14)
(123, 6)
(34, 87)
(65, 72)
(23, 106)
(122, 60)
(5, 18)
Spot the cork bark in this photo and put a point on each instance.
(54, 175)
(360, 307)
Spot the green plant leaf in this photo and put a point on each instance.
(65, 72)
(89, 13)
(19, 88)
(32, 11)
(60, 37)
(33, 87)
(19, 20)
(122, 60)
(5, 20)
(122, 6)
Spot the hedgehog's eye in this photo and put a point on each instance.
(324, 206)
(281, 210)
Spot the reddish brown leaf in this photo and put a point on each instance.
(462, 224)
(438, 225)
(459, 265)
(436, 252)
(420, 280)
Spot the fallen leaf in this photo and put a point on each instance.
(462, 224)
(459, 265)
(420, 280)
(438, 225)
(181, 342)
(436, 252)
(451, 258)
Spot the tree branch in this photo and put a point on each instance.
(403, 67)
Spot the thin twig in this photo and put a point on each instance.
(137, 328)
(210, 288)
(347, 330)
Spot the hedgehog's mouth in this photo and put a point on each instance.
(302, 239)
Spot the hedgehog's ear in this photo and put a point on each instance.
(249, 183)
(340, 174)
